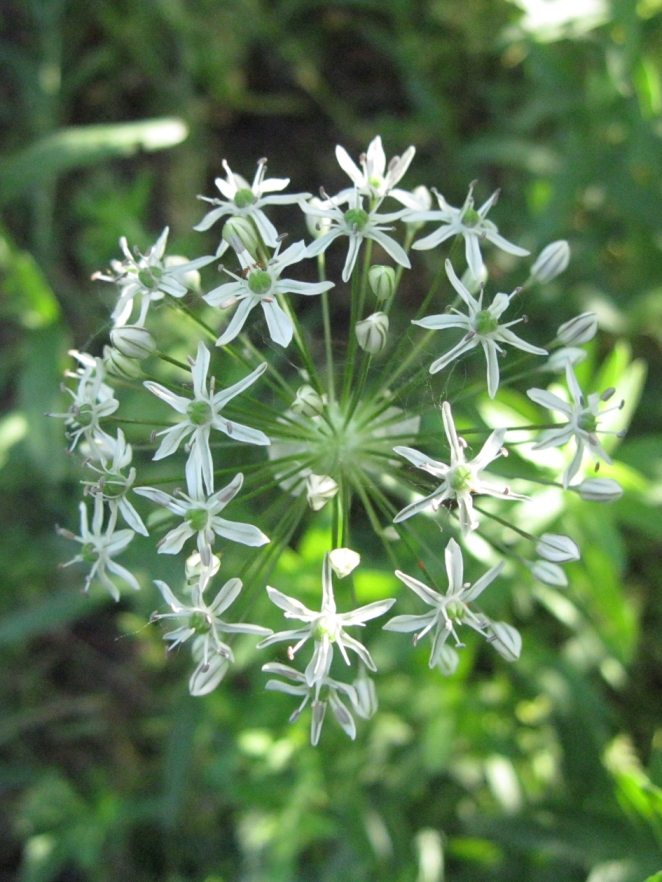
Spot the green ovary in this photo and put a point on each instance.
(88, 553)
(455, 611)
(150, 278)
(470, 217)
(199, 623)
(197, 518)
(85, 415)
(244, 197)
(587, 422)
(325, 627)
(356, 217)
(259, 282)
(460, 478)
(485, 323)
(199, 412)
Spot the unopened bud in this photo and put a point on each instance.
(558, 360)
(119, 365)
(365, 704)
(343, 561)
(549, 573)
(195, 568)
(382, 281)
(241, 235)
(551, 262)
(317, 226)
(557, 548)
(372, 332)
(472, 283)
(578, 330)
(600, 490)
(133, 341)
(506, 640)
(319, 490)
(307, 402)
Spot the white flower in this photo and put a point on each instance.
(262, 285)
(357, 224)
(599, 490)
(481, 326)
(372, 332)
(327, 627)
(467, 222)
(557, 548)
(582, 422)
(319, 490)
(344, 561)
(578, 330)
(99, 548)
(374, 179)
(92, 401)
(300, 687)
(247, 200)
(448, 610)
(460, 479)
(149, 276)
(200, 515)
(113, 486)
(202, 619)
(200, 416)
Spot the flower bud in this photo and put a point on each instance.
(551, 262)
(190, 279)
(422, 201)
(390, 534)
(241, 235)
(195, 568)
(600, 490)
(343, 561)
(119, 365)
(578, 330)
(317, 226)
(558, 360)
(448, 660)
(472, 283)
(307, 402)
(371, 332)
(319, 489)
(382, 281)
(549, 573)
(557, 548)
(365, 704)
(133, 341)
(506, 640)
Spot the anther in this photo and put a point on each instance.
(152, 436)
(190, 360)
(607, 394)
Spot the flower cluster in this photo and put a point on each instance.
(319, 430)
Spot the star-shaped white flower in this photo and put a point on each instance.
(357, 224)
(327, 627)
(262, 285)
(93, 400)
(203, 620)
(448, 610)
(374, 179)
(99, 548)
(467, 222)
(149, 276)
(114, 487)
(242, 199)
(482, 327)
(200, 416)
(583, 416)
(460, 479)
(201, 516)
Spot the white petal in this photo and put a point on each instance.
(454, 567)
(280, 326)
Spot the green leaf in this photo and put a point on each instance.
(78, 146)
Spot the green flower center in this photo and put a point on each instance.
(356, 217)
(199, 623)
(199, 412)
(485, 323)
(259, 282)
(88, 553)
(197, 518)
(150, 278)
(587, 422)
(375, 182)
(85, 415)
(470, 217)
(244, 197)
(325, 626)
(455, 611)
(460, 478)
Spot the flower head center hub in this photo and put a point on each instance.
(89, 553)
(150, 278)
(244, 197)
(470, 217)
(455, 611)
(259, 282)
(198, 621)
(85, 415)
(199, 412)
(460, 478)
(485, 323)
(356, 218)
(587, 422)
(197, 518)
(325, 626)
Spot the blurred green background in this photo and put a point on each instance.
(115, 114)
